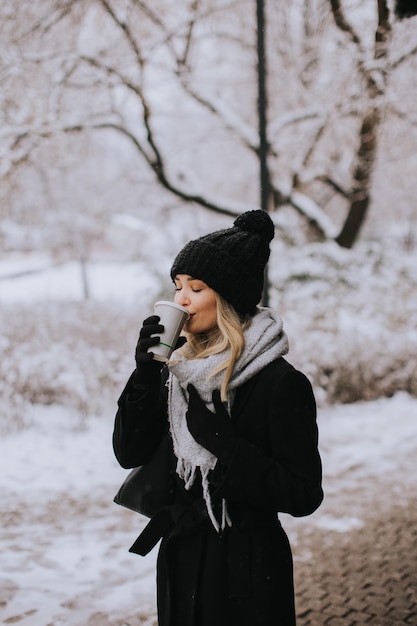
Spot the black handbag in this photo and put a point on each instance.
(150, 487)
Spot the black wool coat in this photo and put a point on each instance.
(244, 575)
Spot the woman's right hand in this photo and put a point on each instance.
(147, 369)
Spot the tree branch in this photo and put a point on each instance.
(292, 117)
(383, 31)
(327, 180)
(314, 214)
(404, 57)
(309, 152)
(342, 23)
(126, 30)
(49, 20)
(217, 204)
(245, 133)
(139, 93)
(188, 38)
(155, 19)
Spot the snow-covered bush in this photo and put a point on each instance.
(75, 354)
(351, 316)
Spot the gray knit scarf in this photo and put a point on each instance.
(265, 341)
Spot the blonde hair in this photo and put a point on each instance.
(227, 335)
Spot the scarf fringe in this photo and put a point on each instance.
(187, 472)
(265, 341)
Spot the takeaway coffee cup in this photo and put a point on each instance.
(173, 316)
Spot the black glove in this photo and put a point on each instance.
(213, 431)
(147, 369)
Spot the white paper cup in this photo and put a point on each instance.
(173, 316)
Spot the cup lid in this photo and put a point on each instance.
(174, 305)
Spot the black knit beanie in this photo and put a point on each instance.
(231, 261)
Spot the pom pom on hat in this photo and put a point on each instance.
(405, 8)
(231, 261)
(257, 222)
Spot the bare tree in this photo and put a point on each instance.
(374, 75)
(178, 84)
(359, 102)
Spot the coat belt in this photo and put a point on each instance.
(183, 518)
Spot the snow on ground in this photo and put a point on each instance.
(64, 545)
(64, 556)
(35, 278)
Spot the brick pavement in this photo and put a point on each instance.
(363, 576)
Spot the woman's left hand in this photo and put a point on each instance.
(213, 431)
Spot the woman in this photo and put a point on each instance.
(242, 431)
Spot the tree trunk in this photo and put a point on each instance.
(360, 196)
(84, 279)
(265, 188)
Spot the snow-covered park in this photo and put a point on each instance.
(128, 129)
(64, 548)
(64, 543)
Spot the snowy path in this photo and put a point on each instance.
(63, 552)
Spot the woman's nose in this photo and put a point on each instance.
(181, 298)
